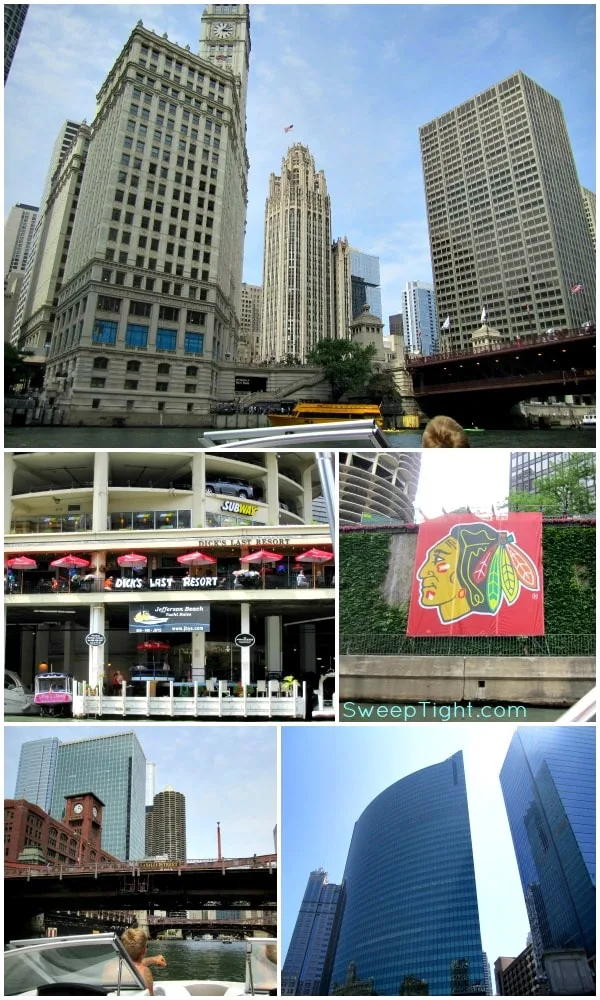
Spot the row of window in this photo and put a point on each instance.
(131, 385)
(136, 335)
(101, 364)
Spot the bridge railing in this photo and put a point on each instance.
(261, 861)
(528, 340)
(566, 377)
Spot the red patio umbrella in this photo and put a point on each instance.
(314, 556)
(70, 562)
(21, 563)
(132, 559)
(196, 559)
(261, 556)
(152, 644)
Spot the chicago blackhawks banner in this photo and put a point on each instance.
(476, 576)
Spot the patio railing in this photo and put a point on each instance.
(44, 582)
(375, 644)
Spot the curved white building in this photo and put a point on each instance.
(378, 487)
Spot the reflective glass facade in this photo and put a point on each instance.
(411, 919)
(307, 966)
(114, 769)
(37, 768)
(366, 283)
(548, 781)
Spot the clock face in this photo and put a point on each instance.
(94, 812)
(222, 30)
(78, 808)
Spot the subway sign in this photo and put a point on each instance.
(240, 507)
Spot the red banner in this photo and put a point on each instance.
(476, 576)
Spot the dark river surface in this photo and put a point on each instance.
(199, 960)
(190, 437)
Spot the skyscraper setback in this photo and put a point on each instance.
(297, 287)
(410, 866)
(507, 225)
(150, 299)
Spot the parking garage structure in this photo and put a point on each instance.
(163, 617)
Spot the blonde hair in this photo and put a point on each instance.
(134, 941)
(444, 432)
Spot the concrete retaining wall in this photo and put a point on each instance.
(519, 680)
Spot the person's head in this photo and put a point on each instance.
(474, 568)
(135, 942)
(444, 432)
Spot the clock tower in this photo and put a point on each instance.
(83, 813)
(225, 42)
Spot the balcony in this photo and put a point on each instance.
(137, 520)
(45, 582)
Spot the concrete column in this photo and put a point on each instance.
(308, 649)
(98, 561)
(198, 489)
(142, 920)
(245, 650)
(273, 643)
(27, 664)
(9, 474)
(67, 648)
(199, 657)
(42, 644)
(97, 654)
(307, 498)
(272, 488)
(100, 498)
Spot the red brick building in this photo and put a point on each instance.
(75, 841)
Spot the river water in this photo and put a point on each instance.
(190, 437)
(199, 960)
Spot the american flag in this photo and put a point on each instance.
(576, 288)
(288, 128)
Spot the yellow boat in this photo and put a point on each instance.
(327, 413)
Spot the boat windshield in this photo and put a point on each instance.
(261, 965)
(52, 682)
(98, 961)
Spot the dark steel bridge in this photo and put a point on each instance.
(482, 386)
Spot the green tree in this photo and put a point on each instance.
(381, 388)
(346, 365)
(17, 371)
(565, 491)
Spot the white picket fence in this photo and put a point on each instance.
(289, 705)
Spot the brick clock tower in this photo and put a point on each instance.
(83, 813)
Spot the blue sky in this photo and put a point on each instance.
(356, 80)
(330, 774)
(228, 774)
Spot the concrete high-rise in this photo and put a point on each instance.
(507, 225)
(150, 300)
(589, 206)
(36, 311)
(14, 19)
(366, 283)
(113, 768)
(530, 469)
(341, 279)
(165, 826)
(250, 324)
(18, 237)
(548, 783)
(420, 318)
(411, 918)
(297, 286)
(378, 488)
(36, 772)
(307, 967)
(517, 977)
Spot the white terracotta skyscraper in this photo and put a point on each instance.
(297, 282)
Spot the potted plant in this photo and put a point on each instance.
(287, 684)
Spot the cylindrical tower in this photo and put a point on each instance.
(411, 920)
(378, 488)
(168, 825)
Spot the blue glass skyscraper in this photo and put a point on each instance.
(307, 966)
(548, 781)
(411, 919)
(113, 768)
(366, 283)
(37, 768)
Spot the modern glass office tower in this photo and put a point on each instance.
(307, 966)
(113, 768)
(420, 318)
(14, 19)
(366, 283)
(37, 769)
(548, 781)
(411, 919)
